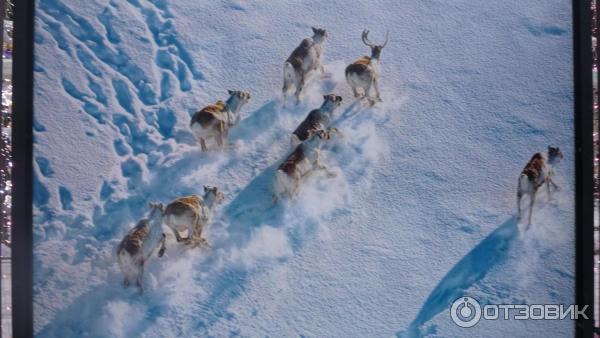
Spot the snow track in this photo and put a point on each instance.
(418, 214)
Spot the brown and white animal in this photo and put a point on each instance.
(317, 119)
(538, 171)
(299, 165)
(214, 121)
(304, 59)
(192, 213)
(364, 72)
(139, 245)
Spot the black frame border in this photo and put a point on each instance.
(584, 165)
(22, 175)
(22, 138)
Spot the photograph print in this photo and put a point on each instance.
(301, 168)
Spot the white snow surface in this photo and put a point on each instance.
(421, 212)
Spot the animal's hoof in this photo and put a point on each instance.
(202, 243)
(161, 252)
(331, 174)
(335, 131)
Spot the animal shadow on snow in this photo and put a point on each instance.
(257, 122)
(253, 207)
(490, 252)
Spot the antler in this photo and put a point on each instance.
(387, 35)
(365, 38)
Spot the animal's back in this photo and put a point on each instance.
(207, 115)
(289, 165)
(183, 212)
(534, 168)
(314, 121)
(133, 242)
(184, 204)
(296, 59)
(358, 66)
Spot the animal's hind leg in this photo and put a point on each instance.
(549, 180)
(556, 187)
(376, 86)
(519, 196)
(368, 90)
(196, 232)
(321, 166)
(370, 100)
(531, 203)
(177, 235)
(196, 236)
(221, 136)
(126, 282)
(299, 87)
(140, 278)
(203, 144)
(286, 87)
(163, 247)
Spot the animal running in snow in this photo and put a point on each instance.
(304, 59)
(317, 119)
(538, 171)
(299, 165)
(192, 213)
(139, 244)
(364, 72)
(215, 120)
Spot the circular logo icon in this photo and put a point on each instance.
(465, 312)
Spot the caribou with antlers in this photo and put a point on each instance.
(364, 72)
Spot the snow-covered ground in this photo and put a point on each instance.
(422, 209)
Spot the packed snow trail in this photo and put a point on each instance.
(420, 210)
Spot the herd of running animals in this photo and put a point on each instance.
(213, 122)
